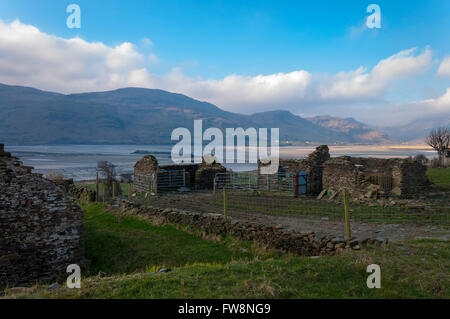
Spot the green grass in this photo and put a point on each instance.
(440, 177)
(124, 244)
(228, 268)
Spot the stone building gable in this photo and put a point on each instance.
(41, 229)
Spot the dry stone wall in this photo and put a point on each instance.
(305, 244)
(41, 230)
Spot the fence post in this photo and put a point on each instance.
(129, 192)
(103, 193)
(214, 186)
(224, 202)
(347, 219)
(96, 187)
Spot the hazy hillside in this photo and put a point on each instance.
(352, 130)
(143, 116)
(418, 129)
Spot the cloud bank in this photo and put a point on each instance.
(33, 58)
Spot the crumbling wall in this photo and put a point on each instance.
(410, 178)
(144, 173)
(41, 230)
(205, 174)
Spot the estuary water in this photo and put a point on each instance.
(80, 161)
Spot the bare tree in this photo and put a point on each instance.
(439, 139)
(108, 174)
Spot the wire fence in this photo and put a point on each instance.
(248, 195)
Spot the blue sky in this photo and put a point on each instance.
(201, 42)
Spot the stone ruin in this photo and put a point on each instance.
(312, 165)
(371, 178)
(367, 178)
(41, 229)
(147, 171)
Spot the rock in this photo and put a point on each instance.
(337, 240)
(356, 247)
(54, 286)
(364, 240)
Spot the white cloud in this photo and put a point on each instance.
(404, 113)
(444, 67)
(147, 42)
(363, 84)
(33, 58)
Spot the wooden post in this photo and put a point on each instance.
(296, 185)
(113, 190)
(347, 219)
(214, 186)
(129, 192)
(103, 193)
(224, 202)
(96, 187)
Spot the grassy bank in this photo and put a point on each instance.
(126, 249)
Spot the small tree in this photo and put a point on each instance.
(439, 139)
(108, 173)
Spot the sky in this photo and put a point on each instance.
(308, 57)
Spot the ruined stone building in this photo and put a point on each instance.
(148, 173)
(369, 177)
(41, 230)
(303, 174)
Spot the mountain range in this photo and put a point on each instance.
(148, 116)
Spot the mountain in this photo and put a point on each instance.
(140, 116)
(416, 131)
(352, 130)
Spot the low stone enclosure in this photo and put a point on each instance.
(41, 230)
(148, 173)
(362, 177)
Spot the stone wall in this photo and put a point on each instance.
(305, 244)
(41, 230)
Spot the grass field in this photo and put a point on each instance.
(440, 177)
(127, 249)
